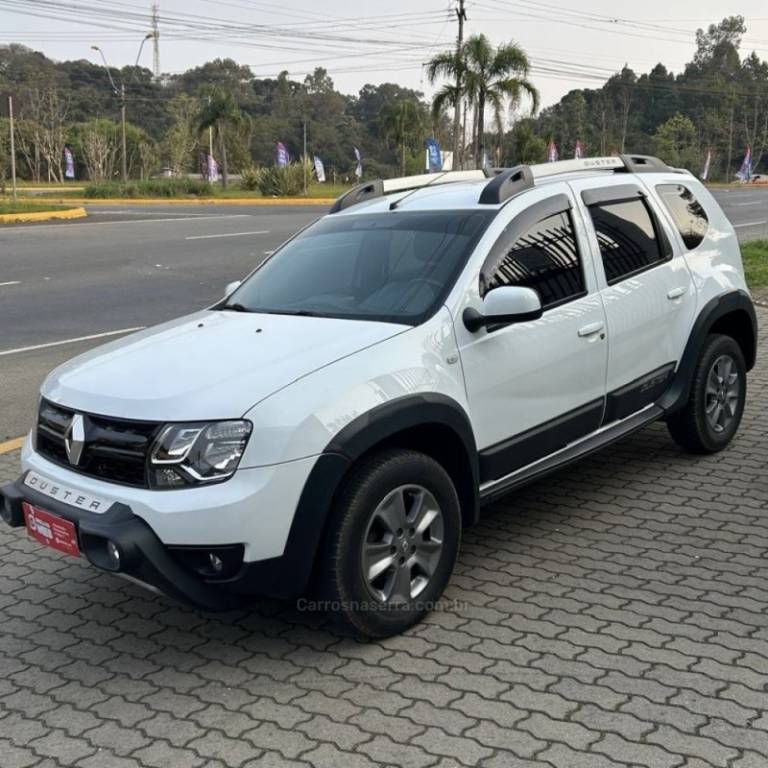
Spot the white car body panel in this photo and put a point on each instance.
(179, 371)
(515, 376)
(302, 419)
(646, 329)
(254, 507)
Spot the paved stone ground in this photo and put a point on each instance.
(612, 615)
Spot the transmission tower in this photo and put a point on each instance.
(156, 40)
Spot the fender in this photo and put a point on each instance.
(289, 575)
(677, 394)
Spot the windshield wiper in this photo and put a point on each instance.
(236, 307)
(293, 312)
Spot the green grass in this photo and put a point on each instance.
(24, 206)
(755, 255)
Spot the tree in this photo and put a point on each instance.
(182, 137)
(491, 77)
(403, 124)
(676, 142)
(221, 113)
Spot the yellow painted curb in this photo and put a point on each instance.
(197, 201)
(72, 213)
(11, 445)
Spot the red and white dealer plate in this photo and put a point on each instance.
(50, 530)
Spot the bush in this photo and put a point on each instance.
(287, 181)
(174, 187)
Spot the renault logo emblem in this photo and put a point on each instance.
(74, 440)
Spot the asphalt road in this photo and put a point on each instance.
(747, 208)
(133, 266)
(122, 268)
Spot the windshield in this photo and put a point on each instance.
(393, 267)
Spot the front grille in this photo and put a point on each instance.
(115, 449)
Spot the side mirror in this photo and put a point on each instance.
(232, 287)
(503, 306)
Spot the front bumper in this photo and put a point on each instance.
(143, 557)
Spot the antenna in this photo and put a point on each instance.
(156, 41)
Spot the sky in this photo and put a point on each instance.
(571, 44)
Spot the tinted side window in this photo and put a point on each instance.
(689, 217)
(546, 259)
(627, 238)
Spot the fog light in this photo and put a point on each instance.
(216, 562)
(113, 553)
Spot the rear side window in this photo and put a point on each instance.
(627, 238)
(687, 212)
(545, 258)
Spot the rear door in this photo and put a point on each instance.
(646, 289)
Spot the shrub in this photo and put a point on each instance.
(286, 181)
(174, 187)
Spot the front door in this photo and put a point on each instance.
(536, 386)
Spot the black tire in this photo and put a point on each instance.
(691, 427)
(356, 529)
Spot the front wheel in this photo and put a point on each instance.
(392, 544)
(711, 417)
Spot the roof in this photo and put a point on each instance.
(490, 189)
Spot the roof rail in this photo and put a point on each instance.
(378, 188)
(506, 183)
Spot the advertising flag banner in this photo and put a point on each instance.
(552, 155)
(319, 169)
(213, 168)
(69, 164)
(578, 152)
(745, 172)
(282, 158)
(707, 163)
(434, 158)
(359, 166)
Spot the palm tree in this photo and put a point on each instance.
(450, 65)
(219, 113)
(402, 123)
(490, 77)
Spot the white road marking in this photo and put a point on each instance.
(108, 212)
(750, 224)
(67, 225)
(70, 341)
(741, 205)
(229, 234)
(11, 282)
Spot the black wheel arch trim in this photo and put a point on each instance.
(715, 309)
(290, 574)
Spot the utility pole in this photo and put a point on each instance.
(156, 35)
(125, 141)
(457, 144)
(304, 159)
(13, 147)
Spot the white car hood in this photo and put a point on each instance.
(210, 365)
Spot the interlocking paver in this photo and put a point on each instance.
(613, 614)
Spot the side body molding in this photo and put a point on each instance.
(737, 302)
(290, 574)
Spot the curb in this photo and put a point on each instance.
(198, 201)
(11, 445)
(72, 213)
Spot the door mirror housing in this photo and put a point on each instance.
(503, 306)
(232, 287)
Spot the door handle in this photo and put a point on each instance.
(676, 293)
(591, 329)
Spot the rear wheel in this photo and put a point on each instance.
(712, 415)
(393, 543)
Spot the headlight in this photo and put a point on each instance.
(197, 453)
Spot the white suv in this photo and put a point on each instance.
(430, 344)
